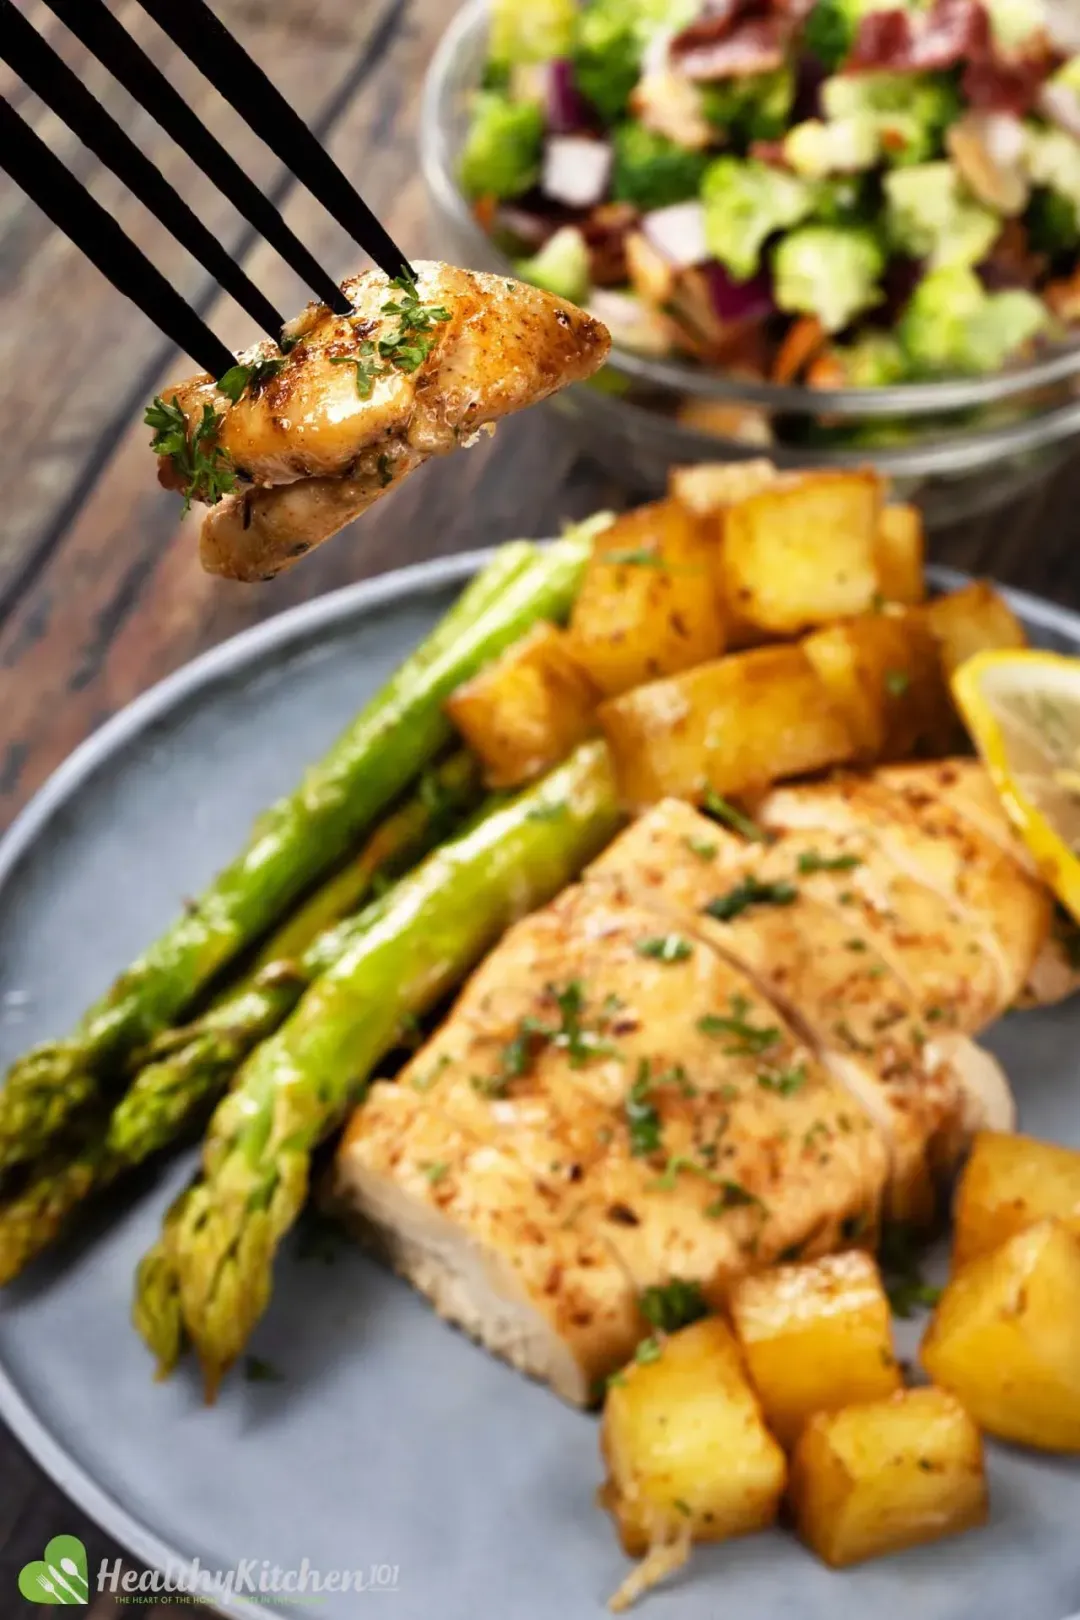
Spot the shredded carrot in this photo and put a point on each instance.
(805, 337)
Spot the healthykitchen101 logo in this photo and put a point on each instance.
(61, 1576)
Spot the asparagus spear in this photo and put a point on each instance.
(192, 1066)
(297, 1086)
(297, 840)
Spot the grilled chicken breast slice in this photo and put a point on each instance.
(938, 848)
(587, 1101)
(848, 1002)
(496, 1252)
(366, 398)
(965, 786)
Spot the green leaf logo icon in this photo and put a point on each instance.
(59, 1577)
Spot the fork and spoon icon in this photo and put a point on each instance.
(71, 1570)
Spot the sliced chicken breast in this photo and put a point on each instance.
(843, 995)
(496, 1252)
(966, 787)
(938, 848)
(361, 400)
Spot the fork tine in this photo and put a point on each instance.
(207, 42)
(40, 173)
(94, 25)
(24, 50)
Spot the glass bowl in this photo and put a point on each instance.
(957, 447)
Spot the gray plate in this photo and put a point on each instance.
(391, 1440)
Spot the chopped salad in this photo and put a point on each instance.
(838, 193)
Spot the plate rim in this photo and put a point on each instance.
(217, 663)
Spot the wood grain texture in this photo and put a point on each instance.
(100, 588)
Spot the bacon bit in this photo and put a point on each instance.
(992, 86)
(953, 32)
(1011, 261)
(1063, 298)
(606, 231)
(757, 46)
(804, 339)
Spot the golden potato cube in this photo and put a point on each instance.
(1011, 1182)
(647, 605)
(710, 487)
(734, 726)
(884, 676)
(797, 557)
(1005, 1338)
(685, 1444)
(900, 554)
(815, 1337)
(527, 710)
(876, 1478)
(972, 620)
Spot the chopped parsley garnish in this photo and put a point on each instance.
(785, 1082)
(206, 468)
(677, 1162)
(749, 892)
(642, 557)
(366, 370)
(424, 1079)
(934, 1015)
(435, 1172)
(811, 861)
(723, 810)
(733, 1195)
(748, 1040)
(665, 948)
(670, 1306)
(701, 847)
(844, 1030)
(897, 682)
(239, 378)
(548, 812)
(904, 1282)
(642, 1117)
(386, 472)
(258, 1371)
(682, 1507)
(858, 945)
(648, 1350)
(581, 1044)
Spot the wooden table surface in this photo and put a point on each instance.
(100, 588)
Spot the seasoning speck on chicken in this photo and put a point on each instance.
(292, 444)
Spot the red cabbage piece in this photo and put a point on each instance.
(739, 300)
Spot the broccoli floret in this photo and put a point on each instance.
(848, 199)
(530, 30)
(561, 266)
(607, 58)
(1068, 77)
(816, 150)
(503, 147)
(745, 202)
(874, 360)
(910, 111)
(953, 325)
(830, 271)
(1052, 223)
(830, 29)
(755, 107)
(1053, 160)
(930, 216)
(652, 171)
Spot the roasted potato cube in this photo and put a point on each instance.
(709, 488)
(883, 674)
(1011, 1182)
(686, 1447)
(1005, 1338)
(797, 557)
(734, 726)
(900, 554)
(972, 620)
(527, 710)
(647, 605)
(876, 1478)
(815, 1337)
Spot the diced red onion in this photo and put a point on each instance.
(568, 113)
(739, 300)
(524, 230)
(678, 233)
(576, 169)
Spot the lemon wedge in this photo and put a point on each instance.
(1023, 712)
